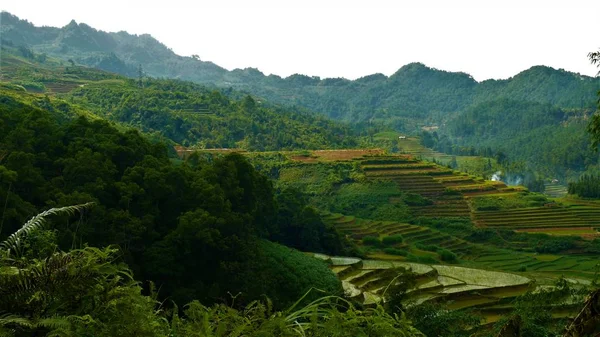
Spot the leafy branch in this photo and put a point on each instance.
(13, 242)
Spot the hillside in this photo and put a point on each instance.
(537, 117)
(182, 112)
(414, 96)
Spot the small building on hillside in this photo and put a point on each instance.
(402, 137)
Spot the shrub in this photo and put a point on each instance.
(489, 208)
(32, 86)
(371, 241)
(429, 248)
(392, 239)
(447, 256)
(412, 199)
(421, 259)
(556, 245)
(395, 251)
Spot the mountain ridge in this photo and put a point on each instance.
(13, 20)
(415, 96)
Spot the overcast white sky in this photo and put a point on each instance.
(347, 38)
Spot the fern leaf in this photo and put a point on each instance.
(13, 242)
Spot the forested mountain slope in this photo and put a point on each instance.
(537, 117)
(414, 96)
(183, 112)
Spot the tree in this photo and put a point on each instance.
(140, 74)
(594, 126)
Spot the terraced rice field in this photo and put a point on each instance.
(540, 217)
(61, 87)
(337, 155)
(589, 233)
(449, 206)
(413, 147)
(366, 281)
(472, 255)
(431, 181)
(357, 229)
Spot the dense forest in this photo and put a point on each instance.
(544, 138)
(182, 112)
(168, 219)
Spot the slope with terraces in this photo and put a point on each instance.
(357, 229)
(487, 292)
(446, 188)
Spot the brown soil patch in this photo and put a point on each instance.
(304, 159)
(336, 155)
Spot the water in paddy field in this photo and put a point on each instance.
(555, 190)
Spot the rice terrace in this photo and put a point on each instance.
(445, 206)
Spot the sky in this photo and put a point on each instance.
(351, 39)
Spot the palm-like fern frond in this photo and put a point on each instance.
(13, 242)
(588, 318)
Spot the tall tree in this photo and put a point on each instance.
(594, 126)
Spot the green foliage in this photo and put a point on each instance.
(588, 186)
(447, 256)
(421, 259)
(86, 292)
(284, 275)
(429, 248)
(532, 314)
(300, 226)
(521, 200)
(173, 222)
(433, 319)
(372, 241)
(533, 138)
(328, 316)
(31, 86)
(391, 240)
(413, 199)
(395, 251)
(12, 244)
(369, 200)
(190, 114)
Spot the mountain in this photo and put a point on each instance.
(183, 112)
(538, 116)
(414, 96)
(86, 45)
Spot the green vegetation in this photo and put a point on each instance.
(308, 234)
(172, 222)
(392, 239)
(522, 114)
(183, 112)
(588, 186)
(87, 292)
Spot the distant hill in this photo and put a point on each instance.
(181, 111)
(412, 97)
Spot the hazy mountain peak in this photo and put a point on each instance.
(71, 25)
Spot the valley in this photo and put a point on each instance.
(423, 201)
